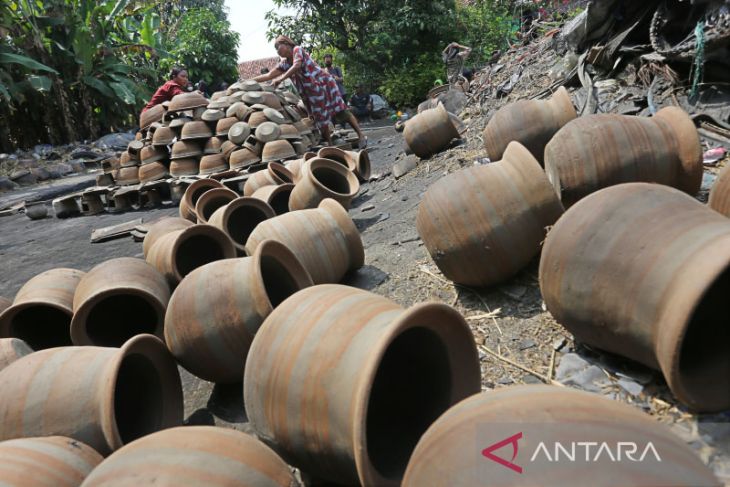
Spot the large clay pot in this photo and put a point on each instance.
(162, 227)
(532, 123)
(429, 132)
(239, 218)
(597, 151)
(641, 270)
(11, 349)
(211, 200)
(177, 253)
(295, 166)
(339, 156)
(52, 461)
(483, 224)
(193, 456)
(720, 192)
(343, 382)
(192, 194)
(455, 450)
(215, 311)
(116, 300)
(42, 310)
(5, 303)
(275, 173)
(275, 196)
(325, 240)
(105, 397)
(320, 179)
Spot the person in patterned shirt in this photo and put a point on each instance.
(316, 86)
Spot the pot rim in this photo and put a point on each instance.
(212, 193)
(338, 168)
(239, 202)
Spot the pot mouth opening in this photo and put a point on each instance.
(242, 221)
(412, 387)
(281, 172)
(197, 250)
(196, 193)
(138, 398)
(41, 326)
(332, 180)
(703, 356)
(115, 318)
(278, 279)
(209, 205)
(280, 200)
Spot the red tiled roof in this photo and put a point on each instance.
(249, 69)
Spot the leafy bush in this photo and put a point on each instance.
(409, 84)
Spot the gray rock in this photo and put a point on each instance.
(41, 173)
(576, 371)
(367, 208)
(23, 177)
(404, 166)
(77, 166)
(6, 184)
(383, 217)
(527, 344)
(630, 386)
(531, 379)
(559, 344)
(60, 168)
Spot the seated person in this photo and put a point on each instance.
(177, 84)
(361, 103)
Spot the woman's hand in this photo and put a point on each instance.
(277, 82)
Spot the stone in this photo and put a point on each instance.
(23, 177)
(41, 173)
(574, 370)
(559, 344)
(6, 184)
(383, 217)
(527, 344)
(367, 208)
(404, 166)
(60, 169)
(531, 379)
(77, 166)
(630, 386)
(115, 141)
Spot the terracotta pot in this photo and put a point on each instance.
(52, 461)
(641, 270)
(277, 151)
(152, 172)
(276, 196)
(127, 176)
(362, 164)
(539, 414)
(160, 228)
(212, 164)
(597, 151)
(295, 166)
(185, 149)
(239, 218)
(177, 253)
(152, 153)
(11, 349)
(193, 456)
(483, 224)
(104, 397)
(5, 303)
(720, 193)
(429, 132)
(148, 117)
(187, 101)
(320, 179)
(532, 123)
(42, 310)
(275, 174)
(116, 300)
(345, 390)
(192, 194)
(215, 311)
(242, 158)
(324, 239)
(347, 159)
(212, 146)
(211, 200)
(66, 206)
(184, 167)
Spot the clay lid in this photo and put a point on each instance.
(259, 106)
(227, 147)
(235, 87)
(253, 97)
(268, 87)
(212, 163)
(196, 130)
(153, 153)
(152, 172)
(302, 127)
(291, 98)
(267, 132)
(238, 132)
(154, 114)
(236, 97)
(289, 132)
(277, 150)
(183, 149)
(187, 101)
(274, 115)
(216, 95)
(243, 158)
(126, 176)
(179, 122)
(233, 109)
(223, 125)
(198, 113)
(256, 119)
(126, 160)
(163, 136)
(222, 102)
(212, 146)
(212, 115)
(293, 113)
(184, 167)
(250, 85)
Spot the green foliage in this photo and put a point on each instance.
(409, 84)
(484, 25)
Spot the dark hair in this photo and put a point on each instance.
(264, 70)
(175, 71)
(468, 74)
(328, 55)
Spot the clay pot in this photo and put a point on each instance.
(152, 153)
(42, 310)
(184, 167)
(597, 151)
(275, 174)
(187, 101)
(362, 164)
(242, 158)
(11, 349)
(641, 270)
(212, 146)
(177, 253)
(267, 131)
(324, 239)
(289, 132)
(532, 123)
(239, 218)
(192, 194)
(163, 136)
(127, 176)
(345, 390)
(277, 196)
(277, 150)
(216, 310)
(5, 303)
(195, 130)
(295, 166)
(429, 132)
(238, 132)
(483, 224)
(212, 164)
(720, 193)
(347, 159)
(228, 148)
(256, 118)
(104, 397)
(52, 461)
(148, 117)
(320, 179)
(212, 115)
(35, 210)
(117, 300)
(211, 201)
(152, 172)
(538, 414)
(185, 149)
(160, 228)
(193, 456)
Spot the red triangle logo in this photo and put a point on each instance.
(487, 452)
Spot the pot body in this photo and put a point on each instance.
(641, 270)
(277, 197)
(343, 382)
(449, 452)
(192, 194)
(598, 151)
(325, 240)
(52, 461)
(320, 179)
(11, 349)
(211, 200)
(720, 193)
(104, 397)
(240, 217)
(191, 456)
(429, 132)
(532, 123)
(162, 227)
(118, 299)
(42, 310)
(483, 224)
(215, 311)
(275, 174)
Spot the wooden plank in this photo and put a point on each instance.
(114, 231)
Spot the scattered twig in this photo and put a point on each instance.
(504, 359)
(493, 314)
(551, 367)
